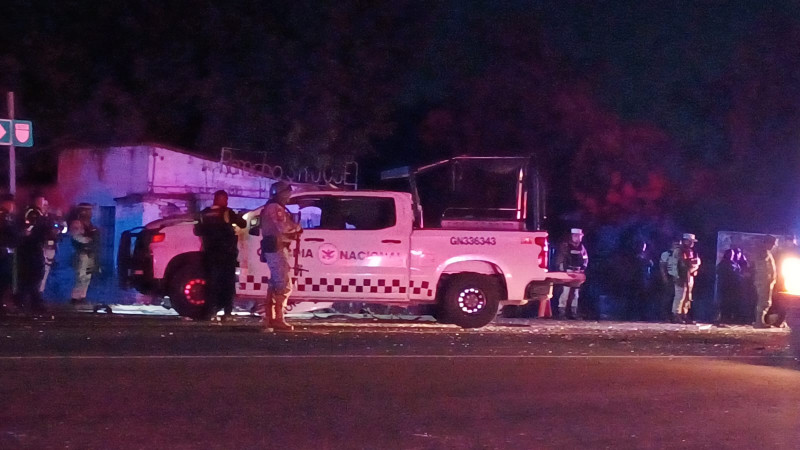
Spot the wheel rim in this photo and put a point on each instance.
(194, 291)
(471, 300)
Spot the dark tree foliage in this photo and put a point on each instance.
(305, 79)
(709, 140)
(761, 121)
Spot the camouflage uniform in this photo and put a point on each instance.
(278, 230)
(683, 273)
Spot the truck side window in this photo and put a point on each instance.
(367, 213)
(345, 213)
(310, 211)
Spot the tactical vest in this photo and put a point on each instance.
(575, 259)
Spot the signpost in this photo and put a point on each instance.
(14, 133)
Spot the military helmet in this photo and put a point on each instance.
(279, 187)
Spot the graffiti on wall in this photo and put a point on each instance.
(232, 163)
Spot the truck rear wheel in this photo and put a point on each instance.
(187, 293)
(470, 300)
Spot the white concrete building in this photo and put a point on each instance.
(132, 186)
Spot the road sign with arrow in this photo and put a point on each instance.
(16, 132)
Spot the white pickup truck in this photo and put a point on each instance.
(360, 246)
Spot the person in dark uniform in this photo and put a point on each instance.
(571, 257)
(640, 305)
(9, 239)
(38, 230)
(730, 283)
(220, 252)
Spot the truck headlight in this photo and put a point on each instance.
(790, 271)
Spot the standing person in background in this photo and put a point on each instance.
(748, 300)
(38, 230)
(764, 276)
(730, 285)
(9, 239)
(220, 251)
(571, 257)
(688, 264)
(640, 303)
(85, 239)
(278, 230)
(667, 265)
(59, 227)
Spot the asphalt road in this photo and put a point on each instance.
(81, 381)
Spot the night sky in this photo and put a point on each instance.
(676, 115)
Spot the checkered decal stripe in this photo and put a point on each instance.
(354, 285)
(417, 289)
(251, 284)
(343, 285)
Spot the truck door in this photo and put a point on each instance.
(353, 247)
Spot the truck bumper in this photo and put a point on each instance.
(571, 279)
(535, 291)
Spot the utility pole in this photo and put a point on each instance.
(12, 157)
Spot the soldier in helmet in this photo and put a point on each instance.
(85, 238)
(278, 230)
(219, 252)
(38, 231)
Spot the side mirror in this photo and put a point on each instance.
(255, 226)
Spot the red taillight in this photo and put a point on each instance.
(159, 237)
(544, 252)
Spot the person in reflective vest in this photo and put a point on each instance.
(219, 253)
(278, 230)
(572, 257)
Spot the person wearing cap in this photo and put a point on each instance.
(764, 277)
(278, 230)
(220, 252)
(686, 268)
(571, 257)
(85, 238)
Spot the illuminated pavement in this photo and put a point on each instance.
(133, 381)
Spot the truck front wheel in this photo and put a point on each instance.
(470, 300)
(187, 293)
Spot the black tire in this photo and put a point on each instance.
(470, 300)
(187, 293)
